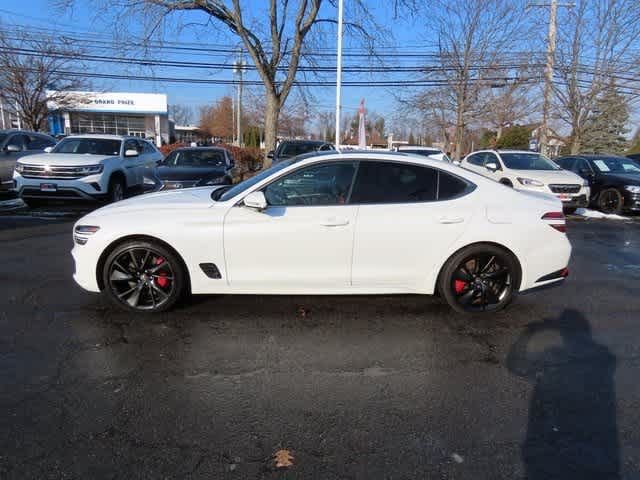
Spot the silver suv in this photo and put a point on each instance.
(100, 167)
(15, 144)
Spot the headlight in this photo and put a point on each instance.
(530, 182)
(19, 167)
(632, 188)
(89, 169)
(216, 181)
(82, 233)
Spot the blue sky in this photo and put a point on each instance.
(85, 19)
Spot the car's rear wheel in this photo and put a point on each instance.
(143, 276)
(479, 278)
(610, 201)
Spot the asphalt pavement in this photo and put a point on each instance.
(386, 387)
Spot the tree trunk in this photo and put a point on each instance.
(459, 133)
(575, 144)
(271, 115)
(499, 133)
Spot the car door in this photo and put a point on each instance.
(302, 241)
(8, 158)
(134, 166)
(409, 216)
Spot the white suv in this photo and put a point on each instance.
(100, 167)
(525, 170)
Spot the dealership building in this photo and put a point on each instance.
(139, 114)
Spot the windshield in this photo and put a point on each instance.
(89, 146)
(616, 165)
(250, 182)
(293, 149)
(527, 161)
(195, 159)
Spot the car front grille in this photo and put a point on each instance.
(558, 188)
(50, 172)
(32, 192)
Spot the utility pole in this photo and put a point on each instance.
(339, 73)
(548, 71)
(238, 68)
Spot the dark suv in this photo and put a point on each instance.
(614, 181)
(15, 144)
(293, 148)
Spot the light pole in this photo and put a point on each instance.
(238, 68)
(339, 73)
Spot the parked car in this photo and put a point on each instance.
(291, 148)
(634, 156)
(86, 167)
(195, 167)
(332, 223)
(15, 144)
(614, 181)
(430, 152)
(530, 171)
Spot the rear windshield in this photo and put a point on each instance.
(195, 158)
(527, 161)
(89, 146)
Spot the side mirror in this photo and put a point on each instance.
(48, 150)
(13, 148)
(491, 167)
(132, 152)
(271, 154)
(256, 201)
(586, 173)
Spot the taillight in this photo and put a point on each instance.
(556, 220)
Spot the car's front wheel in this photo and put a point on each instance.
(143, 276)
(610, 201)
(479, 278)
(116, 190)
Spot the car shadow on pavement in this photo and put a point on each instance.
(572, 429)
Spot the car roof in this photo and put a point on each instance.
(15, 130)
(104, 136)
(318, 142)
(594, 156)
(214, 149)
(417, 147)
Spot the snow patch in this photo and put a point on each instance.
(587, 213)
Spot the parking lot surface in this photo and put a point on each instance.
(394, 387)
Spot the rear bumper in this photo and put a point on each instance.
(544, 286)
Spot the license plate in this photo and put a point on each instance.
(564, 197)
(48, 187)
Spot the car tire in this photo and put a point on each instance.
(569, 210)
(153, 284)
(480, 278)
(115, 193)
(610, 201)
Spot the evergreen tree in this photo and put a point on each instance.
(605, 128)
(635, 143)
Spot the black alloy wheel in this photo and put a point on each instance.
(610, 201)
(480, 278)
(143, 277)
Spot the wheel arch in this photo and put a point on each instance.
(518, 279)
(119, 174)
(140, 238)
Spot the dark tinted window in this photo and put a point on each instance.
(39, 142)
(148, 148)
(19, 140)
(565, 163)
(450, 186)
(476, 159)
(380, 182)
(527, 161)
(327, 184)
(293, 149)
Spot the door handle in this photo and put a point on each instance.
(334, 222)
(448, 220)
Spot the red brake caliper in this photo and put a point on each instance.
(160, 280)
(458, 285)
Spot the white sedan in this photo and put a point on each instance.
(334, 223)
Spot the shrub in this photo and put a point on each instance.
(168, 148)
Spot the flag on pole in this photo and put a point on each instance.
(362, 136)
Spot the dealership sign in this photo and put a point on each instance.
(108, 102)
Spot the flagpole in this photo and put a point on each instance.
(339, 73)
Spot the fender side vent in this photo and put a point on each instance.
(210, 270)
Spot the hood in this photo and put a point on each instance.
(623, 178)
(64, 159)
(550, 176)
(190, 173)
(192, 198)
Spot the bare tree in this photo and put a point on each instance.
(32, 75)
(181, 114)
(598, 43)
(474, 37)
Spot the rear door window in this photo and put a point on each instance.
(389, 182)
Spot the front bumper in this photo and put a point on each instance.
(569, 200)
(631, 201)
(85, 188)
(85, 260)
